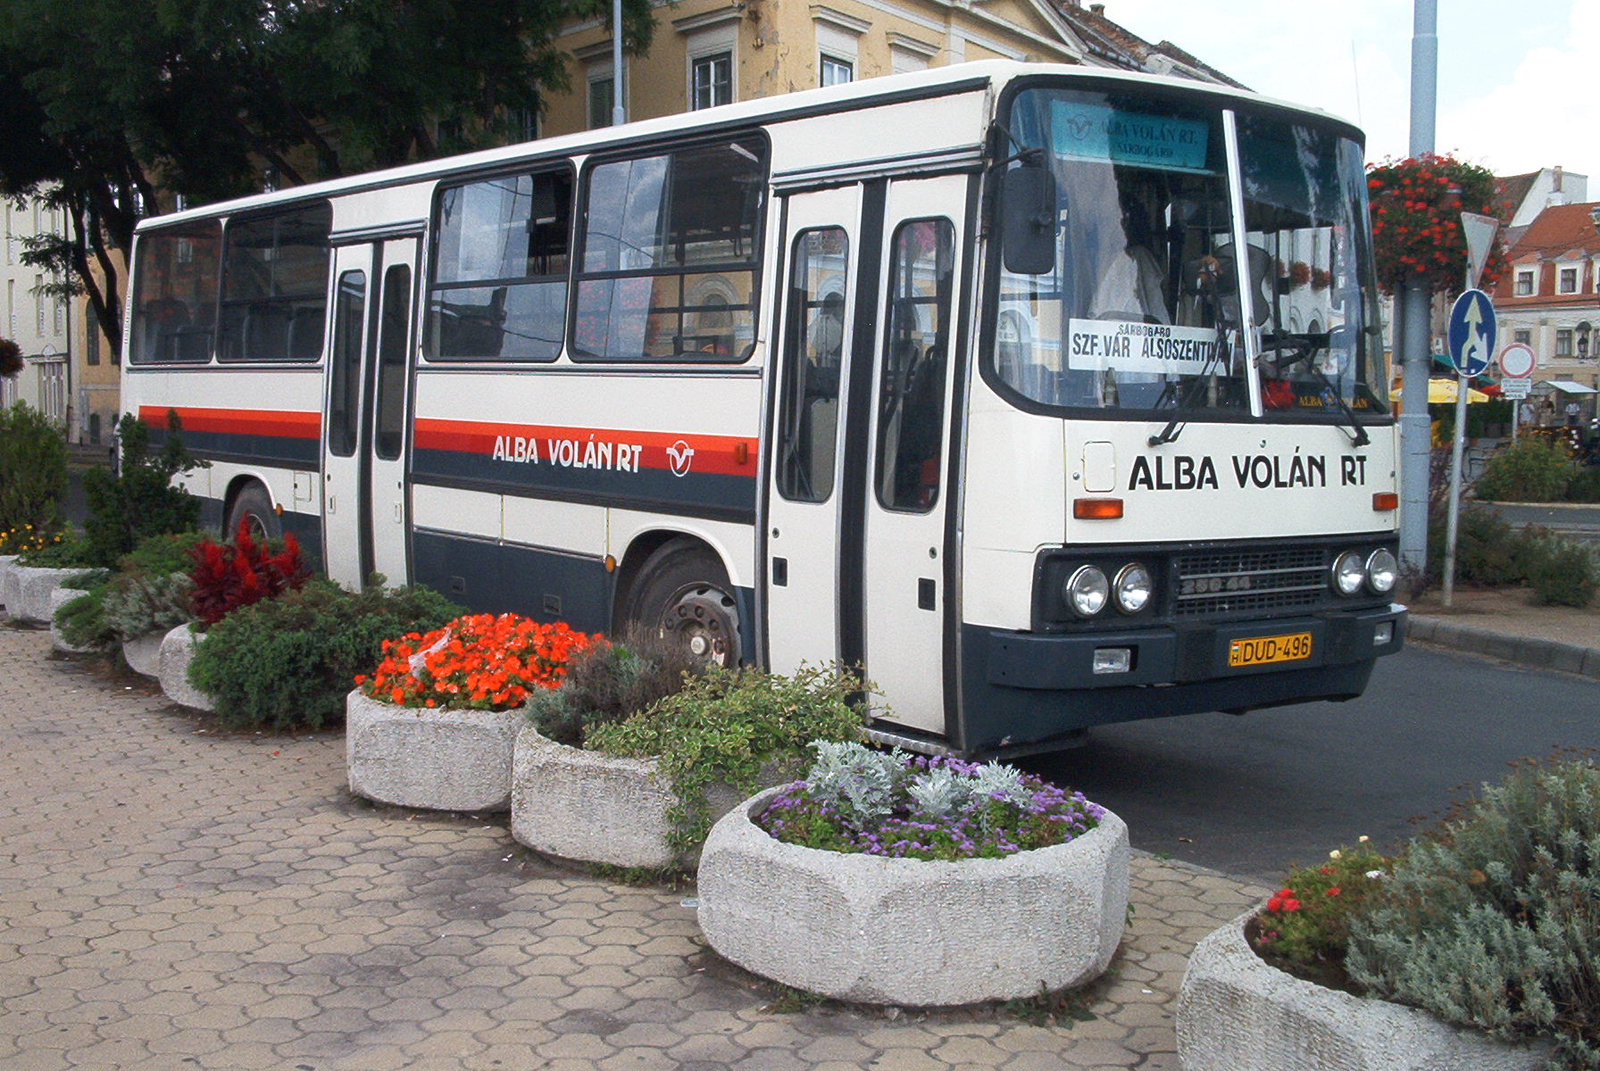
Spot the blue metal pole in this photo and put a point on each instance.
(1412, 309)
(619, 111)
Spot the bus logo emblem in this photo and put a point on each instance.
(680, 455)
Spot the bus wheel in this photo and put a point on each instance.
(683, 595)
(253, 508)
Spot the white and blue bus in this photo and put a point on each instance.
(954, 375)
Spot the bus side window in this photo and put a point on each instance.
(911, 381)
(808, 421)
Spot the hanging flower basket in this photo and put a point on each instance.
(1416, 221)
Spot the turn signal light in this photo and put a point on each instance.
(1097, 509)
(1385, 500)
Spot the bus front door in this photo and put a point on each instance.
(365, 518)
(915, 351)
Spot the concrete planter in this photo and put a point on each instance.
(907, 931)
(29, 601)
(177, 651)
(143, 653)
(1238, 1013)
(597, 808)
(6, 580)
(441, 760)
(59, 598)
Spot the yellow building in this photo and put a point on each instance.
(710, 52)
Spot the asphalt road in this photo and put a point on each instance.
(1252, 796)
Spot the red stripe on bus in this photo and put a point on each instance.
(275, 424)
(718, 455)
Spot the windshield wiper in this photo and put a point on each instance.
(1358, 434)
(1184, 398)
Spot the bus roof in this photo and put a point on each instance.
(960, 77)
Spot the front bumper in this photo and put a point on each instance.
(1022, 687)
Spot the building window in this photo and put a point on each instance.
(1568, 281)
(836, 72)
(91, 336)
(38, 300)
(603, 94)
(838, 44)
(1564, 342)
(711, 81)
(1524, 284)
(1525, 337)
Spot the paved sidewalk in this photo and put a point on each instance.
(173, 899)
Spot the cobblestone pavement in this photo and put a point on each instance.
(172, 898)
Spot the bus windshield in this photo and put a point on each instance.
(1144, 308)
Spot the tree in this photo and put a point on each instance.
(112, 107)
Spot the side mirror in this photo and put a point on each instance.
(1028, 212)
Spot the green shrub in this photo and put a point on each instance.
(1485, 546)
(1584, 485)
(289, 662)
(1564, 573)
(1493, 919)
(66, 552)
(33, 474)
(607, 681)
(728, 726)
(141, 499)
(1530, 470)
(81, 620)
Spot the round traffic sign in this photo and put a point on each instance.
(1517, 361)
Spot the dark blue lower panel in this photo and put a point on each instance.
(490, 577)
(1020, 688)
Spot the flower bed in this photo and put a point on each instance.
(916, 906)
(1238, 1013)
(436, 723)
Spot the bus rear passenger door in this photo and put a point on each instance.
(368, 394)
(806, 455)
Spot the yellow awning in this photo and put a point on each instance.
(1442, 390)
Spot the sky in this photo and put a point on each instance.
(1519, 80)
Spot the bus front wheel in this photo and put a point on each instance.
(683, 596)
(252, 507)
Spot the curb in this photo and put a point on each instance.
(1540, 654)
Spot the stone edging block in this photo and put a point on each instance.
(33, 587)
(1239, 1013)
(912, 932)
(143, 653)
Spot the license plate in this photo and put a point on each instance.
(1261, 650)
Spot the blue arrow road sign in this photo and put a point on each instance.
(1472, 332)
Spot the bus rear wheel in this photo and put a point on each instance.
(252, 507)
(683, 596)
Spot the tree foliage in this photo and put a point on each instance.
(114, 106)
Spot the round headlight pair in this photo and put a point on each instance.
(1088, 590)
(1377, 572)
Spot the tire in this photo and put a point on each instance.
(683, 593)
(253, 506)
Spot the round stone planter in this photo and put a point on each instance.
(907, 931)
(59, 598)
(440, 760)
(596, 808)
(33, 585)
(1239, 1013)
(177, 651)
(143, 653)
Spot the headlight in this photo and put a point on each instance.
(1132, 588)
(1348, 573)
(1086, 590)
(1382, 571)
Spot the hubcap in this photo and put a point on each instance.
(702, 618)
